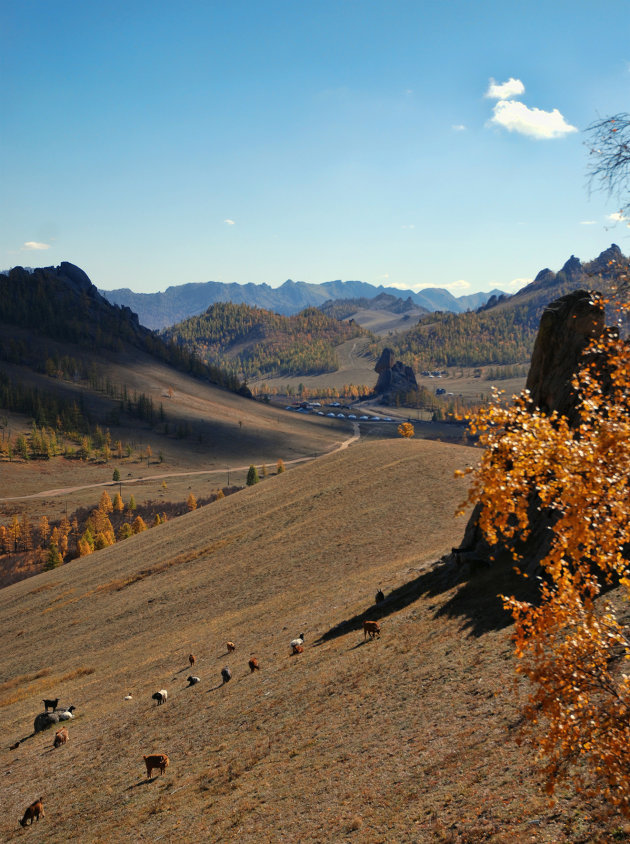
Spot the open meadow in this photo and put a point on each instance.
(404, 738)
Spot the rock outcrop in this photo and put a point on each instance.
(45, 720)
(566, 328)
(393, 377)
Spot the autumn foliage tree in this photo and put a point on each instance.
(406, 430)
(572, 642)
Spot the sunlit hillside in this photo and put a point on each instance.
(404, 738)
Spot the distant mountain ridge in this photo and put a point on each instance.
(177, 303)
(502, 331)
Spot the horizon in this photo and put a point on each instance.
(408, 145)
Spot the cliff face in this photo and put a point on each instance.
(393, 377)
(566, 328)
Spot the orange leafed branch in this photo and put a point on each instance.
(571, 644)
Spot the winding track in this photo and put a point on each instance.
(51, 493)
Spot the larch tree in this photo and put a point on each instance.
(105, 502)
(406, 430)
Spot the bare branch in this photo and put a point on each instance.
(609, 156)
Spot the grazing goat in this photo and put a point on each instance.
(371, 628)
(15, 746)
(157, 760)
(61, 737)
(253, 665)
(35, 810)
(160, 696)
(298, 641)
(226, 674)
(230, 646)
(51, 703)
(192, 681)
(297, 649)
(66, 714)
(379, 597)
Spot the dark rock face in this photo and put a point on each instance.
(393, 377)
(566, 328)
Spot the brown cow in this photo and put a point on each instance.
(35, 810)
(371, 628)
(157, 760)
(61, 737)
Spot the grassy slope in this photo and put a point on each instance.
(401, 739)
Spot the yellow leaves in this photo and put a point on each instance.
(569, 645)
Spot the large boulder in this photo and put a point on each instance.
(566, 328)
(45, 720)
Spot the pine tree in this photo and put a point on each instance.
(138, 525)
(124, 531)
(105, 503)
(252, 476)
(44, 530)
(53, 559)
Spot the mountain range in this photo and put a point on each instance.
(176, 303)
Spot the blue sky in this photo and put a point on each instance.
(158, 143)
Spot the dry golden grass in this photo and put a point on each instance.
(406, 738)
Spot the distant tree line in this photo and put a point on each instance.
(28, 548)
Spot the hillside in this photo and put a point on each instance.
(407, 738)
(62, 304)
(502, 331)
(177, 303)
(255, 343)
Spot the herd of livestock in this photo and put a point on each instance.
(155, 761)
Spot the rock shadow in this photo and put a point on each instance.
(476, 599)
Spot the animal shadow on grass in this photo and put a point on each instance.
(476, 601)
(143, 781)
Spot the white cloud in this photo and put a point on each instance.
(588, 222)
(457, 286)
(33, 245)
(616, 217)
(230, 222)
(517, 283)
(533, 122)
(505, 90)
(459, 127)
